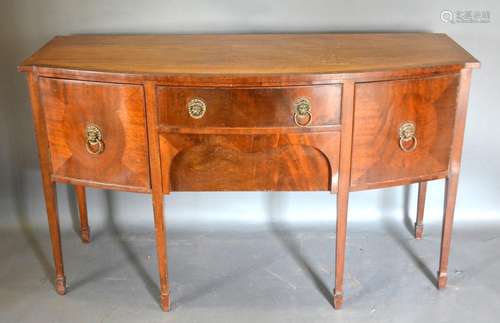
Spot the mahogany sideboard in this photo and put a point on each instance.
(264, 112)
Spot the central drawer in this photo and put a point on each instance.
(298, 106)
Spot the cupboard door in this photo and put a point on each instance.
(96, 132)
(402, 130)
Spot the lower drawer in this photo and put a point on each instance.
(263, 162)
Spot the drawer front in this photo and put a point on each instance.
(270, 162)
(402, 129)
(96, 131)
(249, 107)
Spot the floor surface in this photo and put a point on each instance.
(272, 275)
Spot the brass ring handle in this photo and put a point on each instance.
(402, 142)
(94, 143)
(99, 150)
(298, 123)
(407, 134)
(302, 110)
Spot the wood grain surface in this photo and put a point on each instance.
(292, 162)
(118, 110)
(244, 107)
(229, 54)
(380, 110)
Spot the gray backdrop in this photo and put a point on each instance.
(25, 25)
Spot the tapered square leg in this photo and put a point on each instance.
(157, 193)
(449, 209)
(49, 188)
(161, 250)
(82, 210)
(342, 201)
(55, 235)
(452, 179)
(419, 224)
(343, 190)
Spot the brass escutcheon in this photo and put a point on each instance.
(94, 144)
(196, 108)
(407, 134)
(302, 110)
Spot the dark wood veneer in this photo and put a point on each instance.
(362, 89)
(291, 162)
(117, 109)
(252, 108)
(382, 107)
